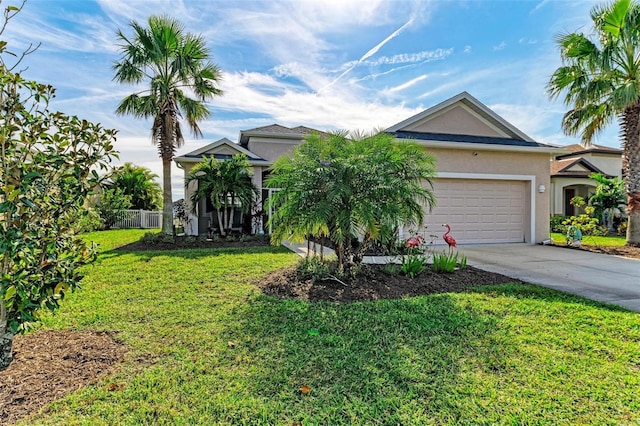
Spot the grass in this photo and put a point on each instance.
(207, 348)
(609, 241)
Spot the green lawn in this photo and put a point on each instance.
(516, 354)
(613, 241)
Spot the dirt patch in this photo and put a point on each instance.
(50, 364)
(374, 283)
(624, 251)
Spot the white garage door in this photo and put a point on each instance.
(479, 211)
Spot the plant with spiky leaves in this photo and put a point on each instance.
(350, 188)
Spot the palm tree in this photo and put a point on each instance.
(138, 183)
(601, 81)
(346, 188)
(226, 184)
(172, 62)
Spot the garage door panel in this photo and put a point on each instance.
(479, 211)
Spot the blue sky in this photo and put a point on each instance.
(323, 64)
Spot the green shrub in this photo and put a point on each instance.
(412, 264)
(447, 262)
(150, 238)
(315, 268)
(88, 221)
(392, 269)
(556, 224)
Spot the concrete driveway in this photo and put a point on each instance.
(600, 277)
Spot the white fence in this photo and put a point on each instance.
(139, 219)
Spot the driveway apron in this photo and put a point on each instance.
(600, 277)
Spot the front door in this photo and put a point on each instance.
(569, 209)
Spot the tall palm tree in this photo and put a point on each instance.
(175, 65)
(600, 77)
(138, 183)
(226, 184)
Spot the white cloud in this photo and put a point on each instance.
(500, 46)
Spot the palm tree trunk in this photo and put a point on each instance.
(631, 170)
(167, 201)
(221, 222)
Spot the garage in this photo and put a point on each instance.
(480, 210)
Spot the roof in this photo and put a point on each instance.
(276, 130)
(445, 137)
(473, 104)
(206, 151)
(562, 168)
(578, 149)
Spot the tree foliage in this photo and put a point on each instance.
(599, 78)
(138, 183)
(48, 164)
(609, 196)
(345, 188)
(226, 184)
(112, 206)
(174, 64)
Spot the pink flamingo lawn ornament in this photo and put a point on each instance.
(414, 242)
(448, 238)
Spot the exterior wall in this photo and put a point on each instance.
(530, 167)
(611, 165)
(271, 149)
(457, 120)
(584, 188)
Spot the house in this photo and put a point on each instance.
(262, 146)
(570, 172)
(492, 178)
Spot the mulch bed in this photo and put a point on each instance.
(373, 283)
(624, 251)
(50, 364)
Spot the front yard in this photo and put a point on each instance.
(205, 346)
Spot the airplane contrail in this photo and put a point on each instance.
(370, 53)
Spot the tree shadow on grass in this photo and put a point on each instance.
(194, 253)
(546, 295)
(388, 359)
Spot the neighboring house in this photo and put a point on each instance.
(491, 179)
(570, 172)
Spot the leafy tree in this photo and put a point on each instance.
(138, 183)
(609, 196)
(175, 65)
(48, 164)
(346, 188)
(600, 77)
(112, 205)
(226, 184)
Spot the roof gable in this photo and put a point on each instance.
(461, 115)
(222, 149)
(574, 167)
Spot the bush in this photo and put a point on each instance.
(447, 262)
(88, 221)
(313, 267)
(412, 264)
(556, 224)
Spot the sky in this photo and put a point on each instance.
(329, 65)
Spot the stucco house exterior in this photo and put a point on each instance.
(570, 172)
(492, 178)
